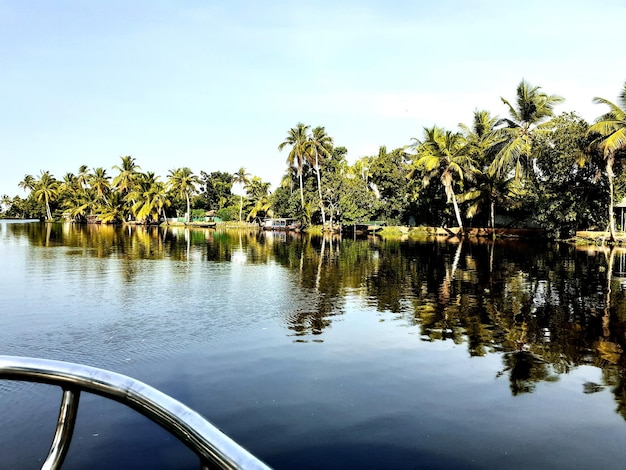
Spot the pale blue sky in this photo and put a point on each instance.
(215, 85)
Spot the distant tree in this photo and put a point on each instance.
(183, 182)
(387, 178)
(242, 179)
(319, 147)
(297, 138)
(127, 176)
(443, 154)
(28, 183)
(610, 129)
(259, 195)
(215, 189)
(513, 151)
(5, 203)
(46, 190)
(568, 195)
(100, 183)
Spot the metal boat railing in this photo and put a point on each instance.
(214, 448)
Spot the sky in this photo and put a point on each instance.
(215, 85)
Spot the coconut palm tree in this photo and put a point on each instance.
(444, 154)
(259, 192)
(481, 137)
(5, 203)
(153, 201)
(513, 151)
(318, 147)
(297, 138)
(100, 183)
(242, 179)
(46, 190)
(610, 129)
(28, 183)
(183, 182)
(83, 176)
(127, 176)
(489, 189)
(80, 204)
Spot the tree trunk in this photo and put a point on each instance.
(456, 211)
(240, 206)
(609, 173)
(188, 208)
(492, 218)
(319, 189)
(301, 190)
(48, 212)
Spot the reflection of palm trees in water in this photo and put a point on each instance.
(444, 291)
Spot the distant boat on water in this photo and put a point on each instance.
(284, 223)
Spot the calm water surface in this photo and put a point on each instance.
(320, 353)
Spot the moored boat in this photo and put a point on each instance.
(281, 223)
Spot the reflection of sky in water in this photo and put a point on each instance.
(303, 373)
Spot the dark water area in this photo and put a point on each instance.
(320, 353)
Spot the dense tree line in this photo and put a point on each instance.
(531, 167)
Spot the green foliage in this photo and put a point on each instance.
(388, 173)
(228, 213)
(215, 189)
(568, 197)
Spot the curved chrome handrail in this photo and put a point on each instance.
(214, 448)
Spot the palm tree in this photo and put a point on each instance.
(513, 151)
(489, 189)
(28, 183)
(83, 176)
(444, 154)
(99, 182)
(80, 204)
(183, 182)
(5, 203)
(318, 147)
(151, 205)
(127, 176)
(297, 138)
(611, 129)
(242, 179)
(258, 191)
(113, 210)
(46, 190)
(480, 137)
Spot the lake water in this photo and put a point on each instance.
(320, 353)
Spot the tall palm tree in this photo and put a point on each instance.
(242, 179)
(444, 154)
(318, 147)
(46, 190)
(183, 182)
(488, 186)
(514, 148)
(611, 131)
(297, 138)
